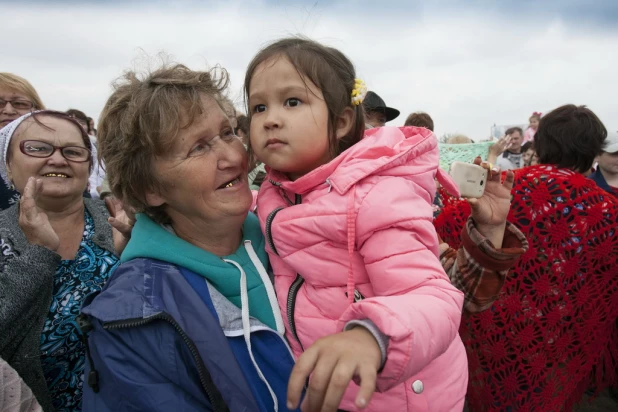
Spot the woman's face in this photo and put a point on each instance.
(204, 175)
(61, 177)
(13, 105)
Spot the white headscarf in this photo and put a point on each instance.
(6, 134)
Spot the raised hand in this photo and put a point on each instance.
(333, 362)
(500, 146)
(122, 222)
(491, 210)
(33, 221)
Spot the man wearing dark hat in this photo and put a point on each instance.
(376, 111)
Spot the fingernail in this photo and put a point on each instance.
(361, 403)
(290, 405)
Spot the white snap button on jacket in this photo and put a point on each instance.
(418, 387)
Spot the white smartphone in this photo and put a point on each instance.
(470, 178)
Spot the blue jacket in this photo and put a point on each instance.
(599, 179)
(164, 338)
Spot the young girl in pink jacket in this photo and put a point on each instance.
(348, 220)
(533, 125)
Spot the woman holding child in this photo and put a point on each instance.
(190, 320)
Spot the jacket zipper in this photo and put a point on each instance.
(213, 394)
(291, 306)
(293, 292)
(298, 281)
(269, 223)
(281, 191)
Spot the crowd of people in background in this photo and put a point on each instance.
(185, 255)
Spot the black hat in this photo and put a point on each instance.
(374, 103)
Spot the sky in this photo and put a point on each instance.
(469, 64)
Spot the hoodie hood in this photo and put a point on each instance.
(152, 241)
(388, 151)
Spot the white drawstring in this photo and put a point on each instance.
(270, 291)
(246, 326)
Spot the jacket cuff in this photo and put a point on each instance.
(380, 337)
(483, 251)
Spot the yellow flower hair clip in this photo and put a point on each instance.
(359, 92)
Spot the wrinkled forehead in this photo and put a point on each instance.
(49, 129)
(208, 119)
(6, 93)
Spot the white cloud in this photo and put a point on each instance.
(467, 70)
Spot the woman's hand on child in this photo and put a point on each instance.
(490, 211)
(333, 362)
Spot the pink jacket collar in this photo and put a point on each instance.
(395, 151)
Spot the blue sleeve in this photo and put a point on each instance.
(145, 368)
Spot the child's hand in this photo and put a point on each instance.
(491, 210)
(333, 362)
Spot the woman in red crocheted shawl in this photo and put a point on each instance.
(552, 333)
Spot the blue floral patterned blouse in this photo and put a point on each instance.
(63, 353)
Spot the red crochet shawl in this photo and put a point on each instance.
(552, 333)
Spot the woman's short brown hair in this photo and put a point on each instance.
(420, 119)
(19, 84)
(141, 121)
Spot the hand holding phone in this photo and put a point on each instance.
(470, 178)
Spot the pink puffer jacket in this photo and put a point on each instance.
(353, 240)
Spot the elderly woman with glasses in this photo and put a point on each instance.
(17, 97)
(57, 247)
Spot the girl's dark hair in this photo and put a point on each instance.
(570, 137)
(526, 146)
(330, 70)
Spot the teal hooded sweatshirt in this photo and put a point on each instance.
(150, 240)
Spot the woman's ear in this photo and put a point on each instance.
(154, 199)
(345, 122)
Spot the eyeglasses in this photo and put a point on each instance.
(18, 104)
(35, 148)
